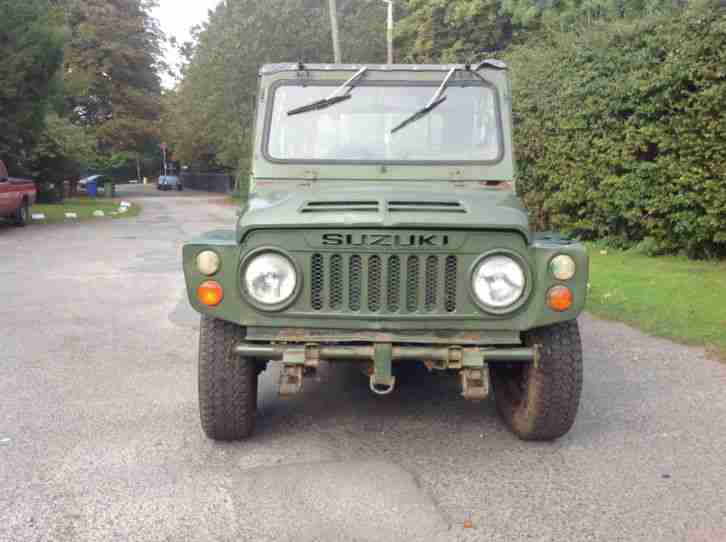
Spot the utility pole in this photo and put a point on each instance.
(389, 30)
(334, 27)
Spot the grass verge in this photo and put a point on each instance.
(666, 296)
(84, 208)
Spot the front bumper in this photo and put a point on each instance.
(472, 363)
(453, 357)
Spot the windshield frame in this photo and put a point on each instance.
(454, 82)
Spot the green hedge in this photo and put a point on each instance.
(621, 131)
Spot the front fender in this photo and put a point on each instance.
(544, 248)
(224, 243)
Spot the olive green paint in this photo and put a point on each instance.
(488, 217)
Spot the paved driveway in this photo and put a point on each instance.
(100, 440)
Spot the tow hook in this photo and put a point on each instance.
(382, 388)
(382, 381)
(475, 383)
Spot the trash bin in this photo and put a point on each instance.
(92, 189)
(109, 189)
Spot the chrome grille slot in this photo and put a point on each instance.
(384, 283)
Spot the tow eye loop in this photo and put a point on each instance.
(383, 389)
(382, 380)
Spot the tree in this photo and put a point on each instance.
(112, 65)
(209, 116)
(452, 30)
(31, 54)
(62, 150)
(569, 14)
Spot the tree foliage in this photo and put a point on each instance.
(112, 65)
(452, 31)
(463, 30)
(77, 76)
(209, 116)
(619, 104)
(62, 150)
(620, 132)
(31, 53)
(569, 14)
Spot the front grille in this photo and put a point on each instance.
(384, 283)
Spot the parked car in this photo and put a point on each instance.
(169, 182)
(16, 197)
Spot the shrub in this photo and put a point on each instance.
(621, 133)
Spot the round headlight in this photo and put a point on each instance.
(562, 267)
(270, 278)
(208, 262)
(499, 281)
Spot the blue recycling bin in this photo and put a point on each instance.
(92, 189)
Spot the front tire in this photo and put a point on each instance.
(22, 214)
(541, 403)
(227, 382)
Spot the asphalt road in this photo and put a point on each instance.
(100, 439)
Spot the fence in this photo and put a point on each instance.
(209, 182)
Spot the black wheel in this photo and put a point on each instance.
(541, 403)
(22, 214)
(180, 188)
(227, 382)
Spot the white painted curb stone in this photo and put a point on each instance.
(71, 215)
(123, 209)
(99, 213)
(38, 216)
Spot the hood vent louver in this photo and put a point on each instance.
(426, 207)
(369, 206)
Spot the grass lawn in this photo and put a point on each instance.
(667, 296)
(84, 208)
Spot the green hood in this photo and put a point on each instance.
(437, 205)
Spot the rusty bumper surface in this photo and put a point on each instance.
(451, 357)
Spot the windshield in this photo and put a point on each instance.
(464, 128)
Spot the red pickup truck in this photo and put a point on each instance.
(16, 197)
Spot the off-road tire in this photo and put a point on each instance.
(227, 382)
(540, 403)
(21, 215)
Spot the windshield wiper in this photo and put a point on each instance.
(334, 98)
(436, 101)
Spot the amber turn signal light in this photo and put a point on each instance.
(210, 293)
(559, 298)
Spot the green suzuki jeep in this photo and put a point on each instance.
(382, 228)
